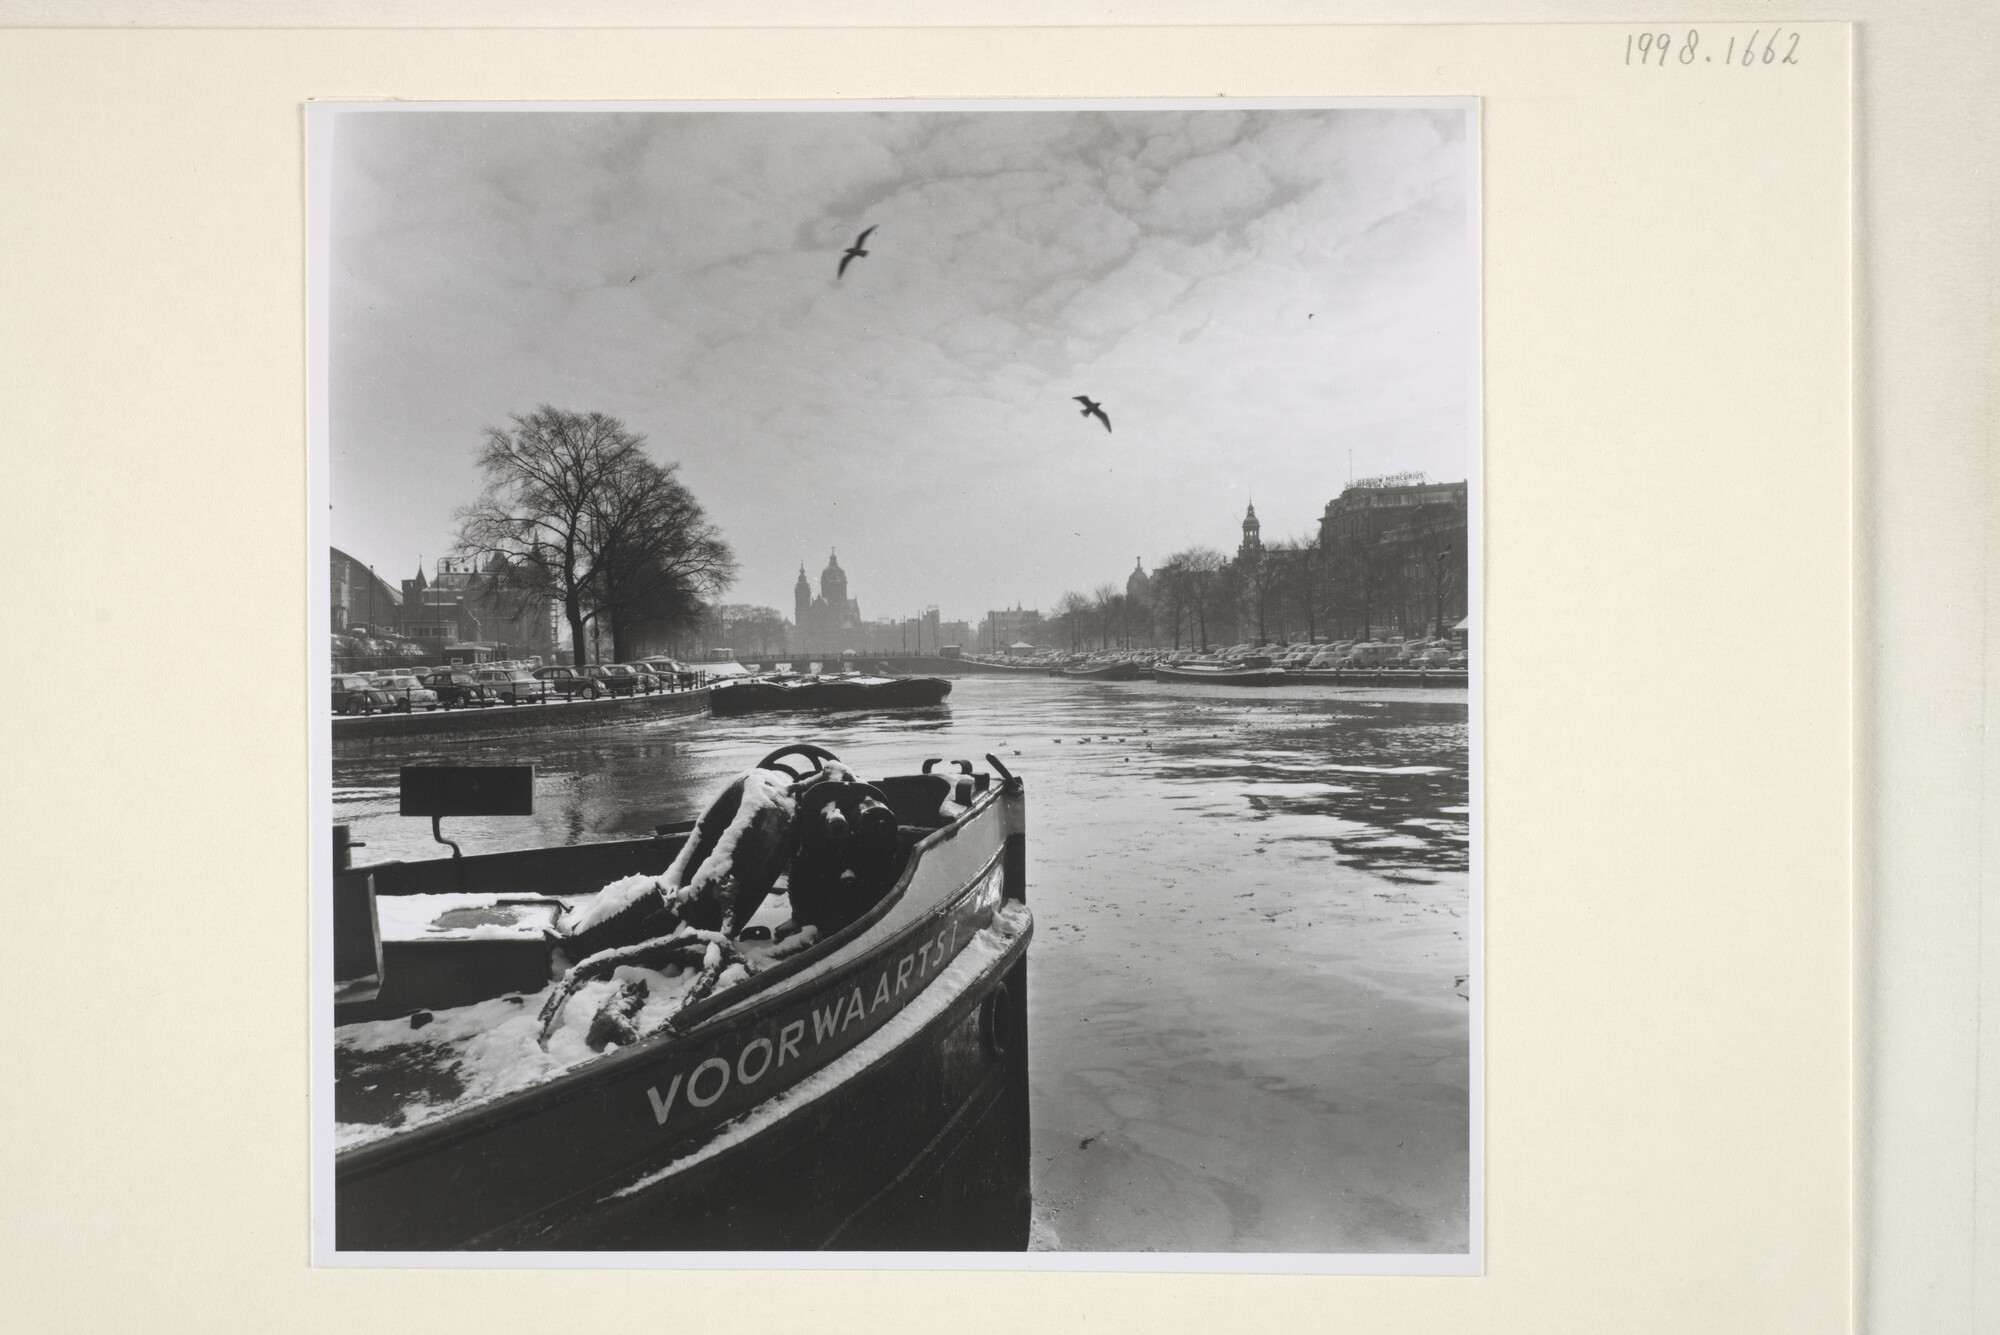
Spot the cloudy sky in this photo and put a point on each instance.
(1252, 295)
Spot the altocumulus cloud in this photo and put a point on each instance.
(1252, 294)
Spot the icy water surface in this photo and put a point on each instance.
(1248, 1022)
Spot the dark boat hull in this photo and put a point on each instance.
(873, 1095)
(1105, 672)
(927, 1150)
(756, 697)
(1246, 677)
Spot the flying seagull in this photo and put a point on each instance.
(854, 252)
(1091, 409)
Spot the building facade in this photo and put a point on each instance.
(464, 605)
(1003, 627)
(361, 599)
(1396, 554)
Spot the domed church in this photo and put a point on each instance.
(828, 620)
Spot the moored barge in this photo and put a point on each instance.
(770, 694)
(1221, 674)
(1123, 669)
(863, 1089)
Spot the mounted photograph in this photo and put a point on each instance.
(901, 684)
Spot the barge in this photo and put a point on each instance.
(771, 694)
(865, 1088)
(1222, 674)
(1119, 670)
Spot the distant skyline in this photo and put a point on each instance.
(1250, 294)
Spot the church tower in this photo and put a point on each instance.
(802, 602)
(1136, 583)
(1253, 541)
(833, 585)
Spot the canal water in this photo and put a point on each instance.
(1248, 994)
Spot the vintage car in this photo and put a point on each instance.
(458, 689)
(616, 678)
(668, 670)
(649, 680)
(516, 686)
(411, 694)
(569, 683)
(354, 693)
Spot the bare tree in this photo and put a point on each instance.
(537, 513)
(1107, 604)
(1206, 577)
(1071, 609)
(1297, 580)
(760, 629)
(1263, 577)
(573, 510)
(1171, 595)
(1138, 618)
(659, 559)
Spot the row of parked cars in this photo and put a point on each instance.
(478, 685)
(1319, 656)
(1322, 656)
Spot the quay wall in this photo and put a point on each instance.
(507, 720)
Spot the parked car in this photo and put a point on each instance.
(514, 685)
(668, 671)
(648, 680)
(410, 693)
(1372, 654)
(457, 689)
(569, 683)
(616, 678)
(355, 694)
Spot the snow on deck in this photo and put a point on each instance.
(396, 1077)
(463, 917)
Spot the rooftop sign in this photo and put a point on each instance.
(1416, 479)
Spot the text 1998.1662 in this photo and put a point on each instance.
(1764, 46)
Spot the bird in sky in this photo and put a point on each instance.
(854, 252)
(1091, 409)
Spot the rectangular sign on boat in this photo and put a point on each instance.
(468, 790)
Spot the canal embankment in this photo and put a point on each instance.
(516, 720)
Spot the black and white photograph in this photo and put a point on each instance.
(902, 683)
